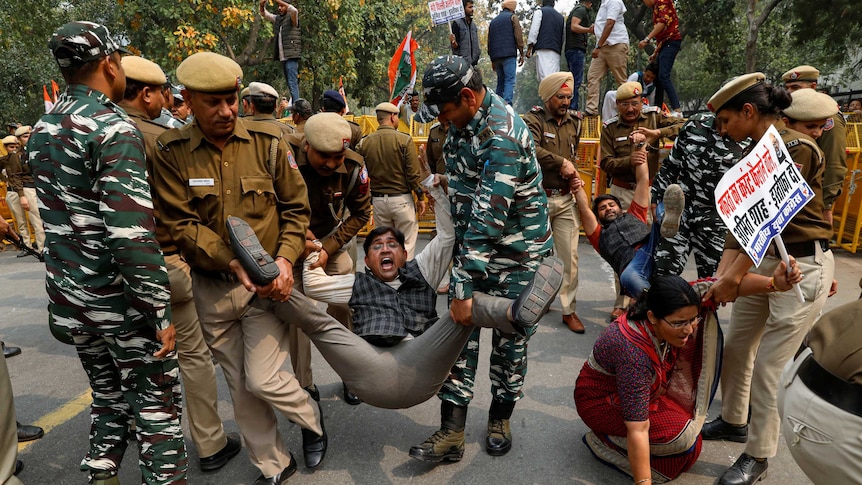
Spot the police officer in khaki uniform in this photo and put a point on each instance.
(393, 165)
(819, 399)
(333, 102)
(557, 134)
(434, 147)
(616, 148)
(264, 99)
(142, 101)
(218, 166)
(340, 200)
(833, 141)
(301, 112)
(766, 330)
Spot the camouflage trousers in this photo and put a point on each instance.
(701, 231)
(129, 383)
(507, 373)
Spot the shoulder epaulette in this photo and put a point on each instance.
(537, 109)
(353, 157)
(171, 136)
(610, 120)
(650, 109)
(435, 125)
(576, 114)
(263, 127)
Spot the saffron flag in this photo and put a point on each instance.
(341, 92)
(49, 104)
(402, 70)
(55, 91)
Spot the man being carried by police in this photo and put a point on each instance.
(340, 200)
(626, 240)
(557, 133)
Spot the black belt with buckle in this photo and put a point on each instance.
(226, 276)
(378, 194)
(832, 389)
(807, 248)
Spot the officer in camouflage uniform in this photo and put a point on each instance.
(106, 277)
(833, 141)
(502, 233)
(699, 158)
(142, 99)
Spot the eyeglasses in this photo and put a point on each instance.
(629, 104)
(694, 321)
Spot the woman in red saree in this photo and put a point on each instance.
(646, 387)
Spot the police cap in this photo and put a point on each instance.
(629, 90)
(801, 73)
(328, 132)
(208, 72)
(809, 105)
(734, 87)
(387, 108)
(143, 70)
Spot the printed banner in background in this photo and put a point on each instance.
(443, 11)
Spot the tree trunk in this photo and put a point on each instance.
(755, 21)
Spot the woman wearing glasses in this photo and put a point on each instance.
(646, 386)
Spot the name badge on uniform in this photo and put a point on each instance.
(621, 138)
(550, 135)
(201, 183)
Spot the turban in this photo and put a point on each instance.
(553, 82)
(510, 4)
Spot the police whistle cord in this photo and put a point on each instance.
(27, 249)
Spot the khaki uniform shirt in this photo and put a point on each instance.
(151, 131)
(328, 198)
(833, 143)
(270, 118)
(555, 142)
(617, 147)
(392, 162)
(200, 185)
(355, 135)
(836, 342)
(434, 149)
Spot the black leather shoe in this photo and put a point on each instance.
(314, 446)
(220, 459)
(10, 351)
(719, 429)
(351, 398)
(19, 465)
(313, 391)
(745, 471)
(281, 477)
(29, 433)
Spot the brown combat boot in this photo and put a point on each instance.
(447, 443)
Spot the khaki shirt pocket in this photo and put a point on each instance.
(258, 196)
(204, 200)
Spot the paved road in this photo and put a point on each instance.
(367, 445)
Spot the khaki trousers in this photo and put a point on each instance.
(339, 263)
(251, 346)
(398, 211)
(611, 58)
(13, 200)
(764, 333)
(200, 394)
(35, 218)
(8, 429)
(565, 225)
(822, 438)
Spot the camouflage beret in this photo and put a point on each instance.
(809, 105)
(208, 72)
(24, 130)
(10, 140)
(81, 42)
(734, 87)
(444, 79)
(629, 90)
(177, 91)
(143, 70)
(301, 106)
(262, 89)
(801, 73)
(387, 108)
(328, 132)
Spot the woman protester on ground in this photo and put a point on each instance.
(646, 387)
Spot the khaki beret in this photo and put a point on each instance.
(801, 73)
(262, 89)
(246, 91)
(629, 90)
(809, 105)
(10, 140)
(143, 70)
(208, 72)
(387, 108)
(553, 83)
(735, 86)
(328, 132)
(23, 130)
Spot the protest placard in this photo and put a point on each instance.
(759, 196)
(443, 11)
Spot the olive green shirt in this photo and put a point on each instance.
(392, 162)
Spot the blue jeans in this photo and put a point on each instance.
(636, 277)
(506, 70)
(575, 59)
(666, 58)
(291, 73)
